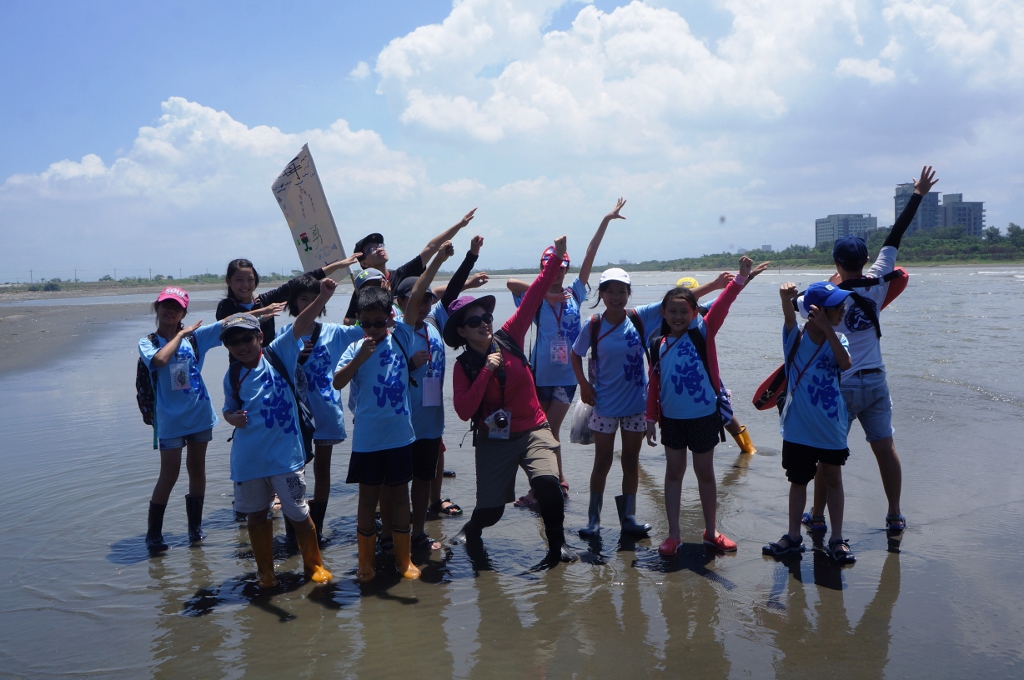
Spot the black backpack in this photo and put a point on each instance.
(145, 381)
(595, 330)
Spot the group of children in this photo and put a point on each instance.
(282, 396)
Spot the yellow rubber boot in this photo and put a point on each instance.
(743, 441)
(309, 546)
(403, 555)
(261, 537)
(367, 547)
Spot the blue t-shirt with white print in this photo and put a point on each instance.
(556, 321)
(621, 380)
(271, 442)
(380, 389)
(187, 409)
(817, 415)
(428, 421)
(314, 378)
(686, 390)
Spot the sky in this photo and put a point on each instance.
(145, 136)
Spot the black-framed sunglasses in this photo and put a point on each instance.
(239, 339)
(475, 321)
(379, 323)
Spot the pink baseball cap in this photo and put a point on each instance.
(548, 253)
(174, 293)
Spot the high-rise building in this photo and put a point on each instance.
(928, 216)
(967, 214)
(828, 229)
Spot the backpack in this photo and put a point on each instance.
(595, 330)
(700, 344)
(772, 392)
(306, 424)
(145, 382)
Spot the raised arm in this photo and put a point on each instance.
(446, 235)
(720, 309)
(347, 262)
(788, 292)
(306, 318)
(413, 309)
(595, 242)
(458, 281)
(166, 353)
(719, 283)
(819, 318)
(921, 188)
(521, 319)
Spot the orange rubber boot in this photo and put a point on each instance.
(261, 537)
(744, 442)
(403, 555)
(310, 549)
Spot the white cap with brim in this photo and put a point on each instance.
(615, 274)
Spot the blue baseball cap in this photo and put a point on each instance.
(850, 252)
(823, 294)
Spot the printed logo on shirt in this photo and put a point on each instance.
(278, 407)
(856, 319)
(822, 388)
(318, 370)
(633, 369)
(195, 380)
(392, 387)
(689, 377)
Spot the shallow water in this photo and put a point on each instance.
(83, 597)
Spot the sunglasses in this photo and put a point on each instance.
(240, 339)
(475, 321)
(379, 323)
(373, 247)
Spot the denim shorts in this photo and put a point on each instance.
(562, 393)
(179, 442)
(867, 400)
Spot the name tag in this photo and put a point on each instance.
(179, 375)
(432, 390)
(559, 351)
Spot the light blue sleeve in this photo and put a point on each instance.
(651, 317)
(208, 337)
(147, 350)
(286, 346)
(582, 343)
(579, 291)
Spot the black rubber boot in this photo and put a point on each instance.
(155, 532)
(194, 511)
(626, 505)
(318, 511)
(593, 528)
(552, 510)
(474, 528)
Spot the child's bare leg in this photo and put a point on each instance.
(170, 467)
(631, 443)
(604, 450)
(833, 475)
(704, 469)
(397, 498)
(195, 464)
(322, 473)
(820, 493)
(675, 469)
(435, 485)
(891, 470)
(386, 515)
(420, 492)
(367, 508)
(734, 427)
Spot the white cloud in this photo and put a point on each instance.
(870, 70)
(463, 186)
(360, 72)
(631, 80)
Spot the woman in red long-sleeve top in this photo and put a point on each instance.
(493, 388)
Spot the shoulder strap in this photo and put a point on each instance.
(701, 345)
(317, 327)
(654, 352)
(234, 371)
(869, 311)
(408, 363)
(595, 332)
(792, 352)
(638, 324)
(507, 342)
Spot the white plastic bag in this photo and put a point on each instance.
(580, 432)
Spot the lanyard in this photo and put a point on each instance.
(430, 355)
(799, 375)
(241, 379)
(610, 330)
(558, 315)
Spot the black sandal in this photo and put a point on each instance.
(839, 550)
(777, 549)
(425, 542)
(438, 508)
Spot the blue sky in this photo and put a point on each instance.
(139, 136)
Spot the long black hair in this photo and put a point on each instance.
(234, 266)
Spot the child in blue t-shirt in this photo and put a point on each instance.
(184, 414)
(683, 398)
(314, 360)
(378, 368)
(268, 456)
(814, 417)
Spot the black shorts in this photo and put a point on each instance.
(390, 467)
(697, 434)
(801, 461)
(424, 458)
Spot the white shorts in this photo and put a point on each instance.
(256, 495)
(634, 423)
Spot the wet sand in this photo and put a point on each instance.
(84, 598)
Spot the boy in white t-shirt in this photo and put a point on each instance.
(267, 452)
(814, 415)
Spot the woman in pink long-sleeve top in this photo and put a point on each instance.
(494, 389)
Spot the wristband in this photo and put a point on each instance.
(740, 279)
